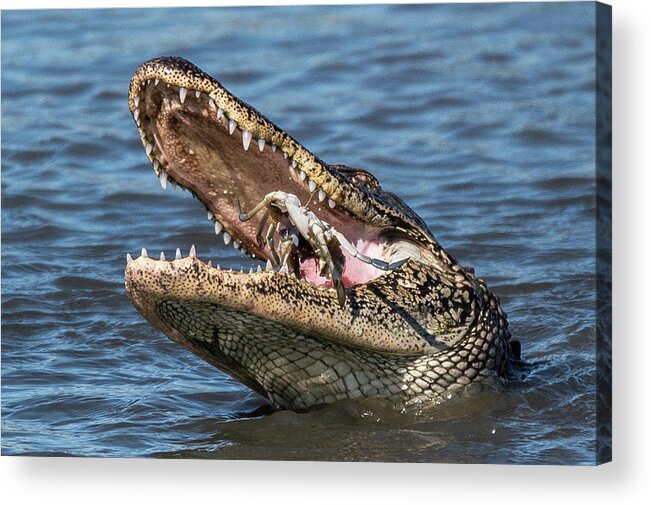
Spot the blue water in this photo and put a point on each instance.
(481, 117)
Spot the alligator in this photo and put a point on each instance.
(352, 297)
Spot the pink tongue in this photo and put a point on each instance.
(355, 272)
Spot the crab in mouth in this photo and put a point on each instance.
(305, 220)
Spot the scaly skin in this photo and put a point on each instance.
(411, 335)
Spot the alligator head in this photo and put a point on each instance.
(297, 331)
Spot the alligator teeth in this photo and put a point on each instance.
(218, 227)
(331, 203)
(182, 93)
(210, 215)
(197, 93)
(148, 148)
(259, 269)
(261, 144)
(193, 252)
(285, 154)
(156, 82)
(156, 165)
(136, 100)
(246, 139)
(178, 254)
(311, 185)
(269, 266)
(293, 163)
(302, 175)
(231, 126)
(220, 114)
(162, 256)
(322, 195)
(236, 244)
(143, 253)
(284, 269)
(210, 263)
(136, 113)
(251, 270)
(273, 147)
(163, 179)
(227, 238)
(129, 258)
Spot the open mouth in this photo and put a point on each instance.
(265, 194)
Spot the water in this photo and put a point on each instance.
(481, 117)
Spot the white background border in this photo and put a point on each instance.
(626, 480)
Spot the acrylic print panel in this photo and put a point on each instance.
(474, 328)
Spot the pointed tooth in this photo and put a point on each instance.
(210, 263)
(143, 253)
(231, 126)
(211, 102)
(236, 244)
(136, 100)
(311, 185)
(156, 82)
(322, 195)
(156, 165)
(163, 179)
(259, 269)
(331, 203)
(182, 93)
(246, 139)
(302, 175)
(274, 147)
(178, 254)
(251, 270)
(210, 215)
(136, 113)
(269, 266)
(197, 93)
(162, 256)
(148, 148)
(193, 252)
(293, 163)
(220, 113)
(284, 269)
(261, 144)
(129, 258)
(219, 266)
(218, 227)
(227, 238)
(285, 154)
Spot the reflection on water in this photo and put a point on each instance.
(489, 108)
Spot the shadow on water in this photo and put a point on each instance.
(370, 430)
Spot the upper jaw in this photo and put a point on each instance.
(201, 137)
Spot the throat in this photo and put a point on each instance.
(355, 271)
